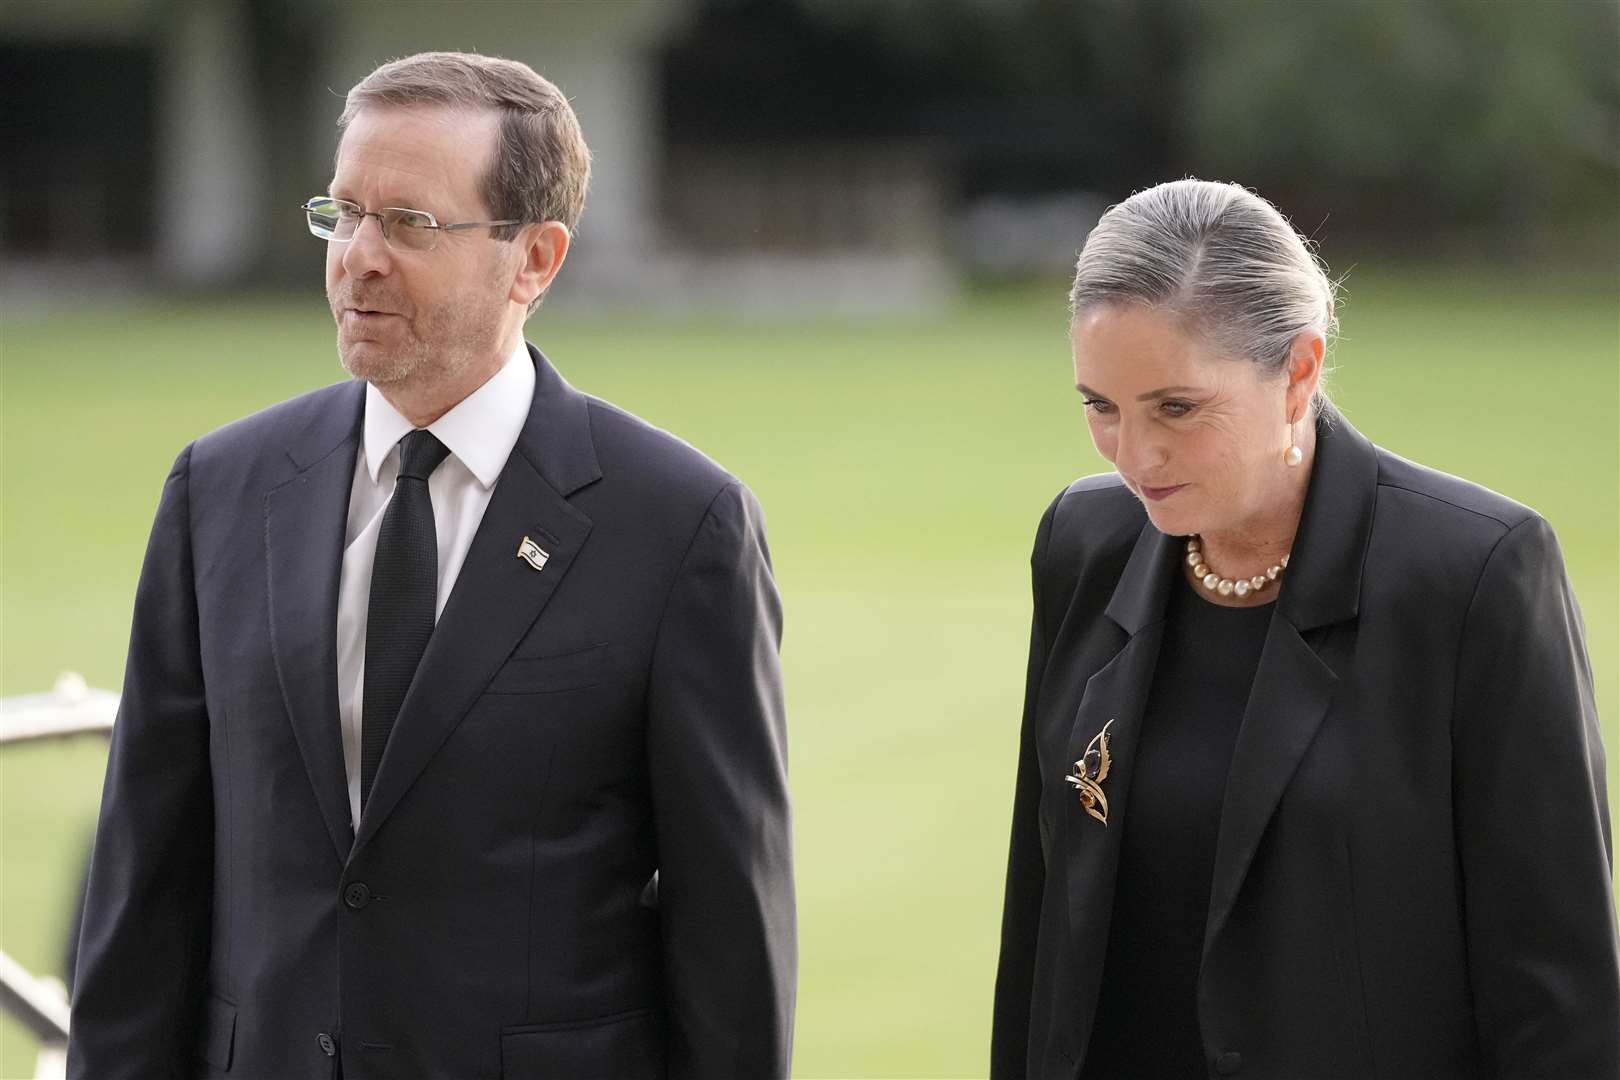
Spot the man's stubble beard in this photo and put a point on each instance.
(438, 346)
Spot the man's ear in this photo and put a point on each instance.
(543, 246)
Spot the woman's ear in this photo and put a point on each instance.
(1304, 369)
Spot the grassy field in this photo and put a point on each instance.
(903, 464)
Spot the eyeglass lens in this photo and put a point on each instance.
(335, 219)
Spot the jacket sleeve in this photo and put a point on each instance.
(717, 752)
(1532, 823)
(1026, 862)
(143, 948)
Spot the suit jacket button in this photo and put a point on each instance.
(1229, 1063)
(357, 895)
(328, 1047)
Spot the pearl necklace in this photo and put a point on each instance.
(1239, 587)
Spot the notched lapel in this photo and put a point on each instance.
(1293, 687)
(496, 598)
(1115, 698)
(1290, 696)
(304, 522)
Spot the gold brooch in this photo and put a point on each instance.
(1089, 773)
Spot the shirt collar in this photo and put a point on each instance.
(480, 431)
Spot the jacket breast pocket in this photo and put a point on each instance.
(572, 670)
(624, 1046)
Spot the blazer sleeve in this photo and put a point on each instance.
(717, 751)
(1026, 861)
(143, 949)
(1531, 819)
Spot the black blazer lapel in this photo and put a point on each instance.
(1290, 696)
(1293, 686)
(1115, 698)
(497, 595)
(304, 523)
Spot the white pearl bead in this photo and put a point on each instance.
(1228, 586)
(1294, 456)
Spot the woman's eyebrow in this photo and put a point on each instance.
(1151, 395)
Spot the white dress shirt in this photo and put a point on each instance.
(480, 433)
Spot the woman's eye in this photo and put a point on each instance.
(1097, 405)
(1176, 408)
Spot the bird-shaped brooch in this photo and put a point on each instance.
(1090, 772)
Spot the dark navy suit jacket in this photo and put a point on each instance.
(575, 859)
(1412, 871)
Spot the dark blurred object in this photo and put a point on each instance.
(77, 172)
(1494, 125)
(1024, 97)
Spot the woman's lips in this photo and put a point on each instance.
(1157, 493)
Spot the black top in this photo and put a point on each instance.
(1147, 1011)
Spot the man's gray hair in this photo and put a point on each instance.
(1218, 258)
(541, 166)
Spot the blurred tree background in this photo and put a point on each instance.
(1445, 127)
(1487, 128)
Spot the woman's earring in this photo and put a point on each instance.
(1293, 455)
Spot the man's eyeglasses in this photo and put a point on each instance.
(402, 229)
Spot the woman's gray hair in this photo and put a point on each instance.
(1220, 259)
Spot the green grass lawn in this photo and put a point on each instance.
(903, 464)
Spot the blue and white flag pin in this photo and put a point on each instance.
(533, 554)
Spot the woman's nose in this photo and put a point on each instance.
(1137, 449)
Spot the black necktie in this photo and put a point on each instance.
(404, 586)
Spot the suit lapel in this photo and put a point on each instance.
(497, 595)
(1115, 697)
(1290, 696)
(304, 521)
(1293, 687)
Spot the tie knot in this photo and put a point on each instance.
(419, 454)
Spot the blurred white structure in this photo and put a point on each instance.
(40, 1003)
(169, 144)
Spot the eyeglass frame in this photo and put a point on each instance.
(382, 223)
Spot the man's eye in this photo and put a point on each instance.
(412, 219)
(345, 213)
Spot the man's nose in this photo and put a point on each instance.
(367, 252)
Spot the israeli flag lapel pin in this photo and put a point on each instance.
(533, 554)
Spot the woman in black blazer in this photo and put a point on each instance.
(1310, 782)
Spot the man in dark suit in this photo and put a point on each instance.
(452, 740)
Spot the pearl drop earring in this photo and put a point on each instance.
(1293, 455)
